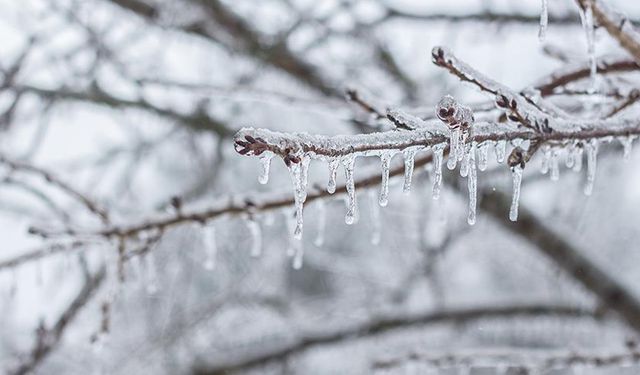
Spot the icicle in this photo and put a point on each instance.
(570, 157)
(546, 160)
(298, 172)
(409, 157)
(333, 170)
(464, 166)
(544, 21)
(352, 205)
(592, 158)
(627, 145)
(293, 243)
(483, 156)
(322, 223)
(454, 145)
(375, 219)
(256, 237)
(211, 247)
(578, 158)
(298, 257)
(501, 150)
(554, 165)
(586, 16)
(472, 183)
(385, 160)
(265, 161)
(515, 201)
(437, 169)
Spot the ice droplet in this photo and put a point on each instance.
(409, 158)
(298, 257)
(376, 227)
(322, 223)
(352, 205)
(265, 162)
(483, 156)
(256, 237)
(385, 161)
(333, 171)
(516, 172)
(501, 150)
(472, 184)
(454, 142)
(544, 21)
(437, 169)
(210, 247)
(592, 158)
(627, 145)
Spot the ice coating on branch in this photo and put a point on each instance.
(376, 224)
(586, 17)
(438, 151)
(256, 237)
(333, 171)
(352, 206)
(265, 163)
(210, 247)
(409, 158)
(385, 161)
(516, 173)
(627, 145)
(322, 223)
(483, 156)
(544, 21)
(454, 146)
(554, 165)
(472, 184)
(501, 150)
(592, 158)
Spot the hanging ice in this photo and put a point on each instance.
(265, 162)
(333, 171)
(385, 160)
(627, 145)
(544, 21)
(293, 244)
(298, 257)
(464, 166)
(501, 150)
(375, 218)
(577, 166)
(322, 223)
(210, 247)
(454, 146)
(586, 16)
(352, 206)
(554, 165)
(298, 172)
(472, 184)
(516, 172)
(546, 160)
(570, 157)
(483, 156)
(409, 158)
(592, 158)
(256, 237)
(437, 169)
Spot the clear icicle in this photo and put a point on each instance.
(376, 227)
(592, 158)
(483, 156)
(464, 166)
(352, 205)
(333, 171)
(256, 237)
(472, 183)
(570, 157)
(501, 150)
(298, 172)
(577, 166)
(298, 257)
(544, 21)
(210, 247)
(265, 162)
(546, 160)
(322, 223)
(437, 170)
(409, 158)
(586, 16)
(454, 142)
(385, 161)
(515, 200)
(304, 176)
(554, 165)
(627, 145)
(293, 243)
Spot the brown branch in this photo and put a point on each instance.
(383, 325)
(48, 338)
(46, 251)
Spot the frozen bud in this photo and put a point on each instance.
(446, 109)
(464, 117)
(516, 158)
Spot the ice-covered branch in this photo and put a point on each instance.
(43, 252)
(382, 325)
